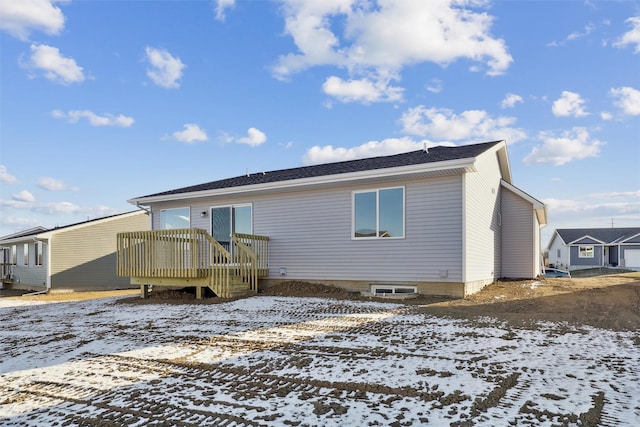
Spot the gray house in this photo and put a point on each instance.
(80, 256)
(582, 248)
(447, 220)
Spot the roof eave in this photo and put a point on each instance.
(455, 166)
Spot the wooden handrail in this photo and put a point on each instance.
(192, 253)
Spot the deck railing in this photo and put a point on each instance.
(192, 253)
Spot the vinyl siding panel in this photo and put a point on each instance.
(519, 229)
(482, 212)
(310, 233)
(85, 257)
(557, 244)
(30, 275)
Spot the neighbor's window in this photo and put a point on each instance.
(559, 253)
(26, 254)
(585, 252)
(378, 213)
(38, 251)
(14, 254)
(170, 219)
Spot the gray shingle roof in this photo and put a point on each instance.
(435, 154)
(606, 235)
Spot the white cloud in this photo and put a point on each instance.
(588, 29)
(442, 124)
(363, 90)
(574, 144)
(328, 153)
(56, 67)
(6, 177)
(631, 37)
(377, 42)
(52, 184)
(74, 116)
(24, 196)
(20, 17)
(569, 104)
(55, 208)
(191, 133)
(222, 6)
(435, 86)
(595, 210)
(254, 137)
(165, 70)
(627, 99)
(605, 115)
(510, 100)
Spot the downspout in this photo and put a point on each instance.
(149, 212)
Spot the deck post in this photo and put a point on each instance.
(198, 292)
(144, 291)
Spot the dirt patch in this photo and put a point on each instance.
(608, 301)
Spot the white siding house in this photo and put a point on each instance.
(431, 220)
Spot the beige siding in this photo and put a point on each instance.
(482, 223)
(85, 257)
(519, 233)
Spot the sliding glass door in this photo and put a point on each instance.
(226, 220)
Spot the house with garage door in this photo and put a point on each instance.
(79, 256)
(443, 220)
(583, 248)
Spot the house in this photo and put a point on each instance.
(581, 248)
(80, 256)
(447, 220)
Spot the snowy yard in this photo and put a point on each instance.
(304, 362)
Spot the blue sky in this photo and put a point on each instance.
(103, 101)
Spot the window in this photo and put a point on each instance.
(14, 254)
(171, 219)
(559, 253)
(585, 251)
(26, 254)
(38, 251)
(378, 213)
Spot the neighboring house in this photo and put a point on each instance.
(80, 256)
(581, 248)
(447, 221)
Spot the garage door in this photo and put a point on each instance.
(632, 258)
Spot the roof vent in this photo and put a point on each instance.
(424, 148)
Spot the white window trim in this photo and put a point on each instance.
(587, 249)
(231, 206)
(171, 209)
(393, 288)
(377, 191)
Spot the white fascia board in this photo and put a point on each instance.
(628, 238)
(23, 239)
(466, 164)
(538, 206)
(586, 236)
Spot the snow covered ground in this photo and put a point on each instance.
(307, 362)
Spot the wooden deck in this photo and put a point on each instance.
(191, 257)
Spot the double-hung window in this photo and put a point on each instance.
(378, 213)
(585, 252)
